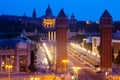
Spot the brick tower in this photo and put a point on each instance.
(61, 42)
(105, 42)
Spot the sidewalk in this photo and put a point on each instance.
(33, 76)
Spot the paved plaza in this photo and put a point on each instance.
(29, 76)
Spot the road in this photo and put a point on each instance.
(86, 72)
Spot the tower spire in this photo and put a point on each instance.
(34, 13)
(106, 18)
(106, 14)
(61, 13)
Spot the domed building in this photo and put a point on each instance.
(48, 22)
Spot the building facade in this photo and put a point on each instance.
(95, 45)
(16, 53)
(49, 23)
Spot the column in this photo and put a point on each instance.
(48, 35)
(28, 58)
(0, 63)
(5, 62)
(11, 62)
(52, 35)
(17, 63)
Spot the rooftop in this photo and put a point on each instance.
(61, 13)
(106, 14)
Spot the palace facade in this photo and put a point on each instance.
(15, 54)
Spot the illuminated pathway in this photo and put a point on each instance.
(47, 51)
(41, 60)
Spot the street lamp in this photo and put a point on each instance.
(65, 65)
(36, 78)
(76, 69)
(106, 74)
(9, 67)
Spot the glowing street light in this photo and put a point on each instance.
(64, 61)
(34, 78)
(106, 74)
(76, 69)
(65, 64)
(9, 67)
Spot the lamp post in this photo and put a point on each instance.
(106, 74)
(8, 67)
(65, 65)
(76, 69)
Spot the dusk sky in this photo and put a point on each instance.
(88, 10)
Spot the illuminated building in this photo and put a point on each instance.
(106, 42)
(95, 44)
(15, 52)
(48, 22)
(72, 30)
(48, 19)
(61, 41)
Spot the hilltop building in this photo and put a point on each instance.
(49, 23)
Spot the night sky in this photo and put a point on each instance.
(88, 10)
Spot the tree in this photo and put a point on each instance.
(32, 67)
(113, 59)
(34, 37)
(77, 38)
(35, 49)
(88, 46)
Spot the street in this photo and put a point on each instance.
(86, 72)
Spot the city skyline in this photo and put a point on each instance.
(88, 10)
(39, 44)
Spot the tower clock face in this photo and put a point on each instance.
(48, 23)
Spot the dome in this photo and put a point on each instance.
(48, 11)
